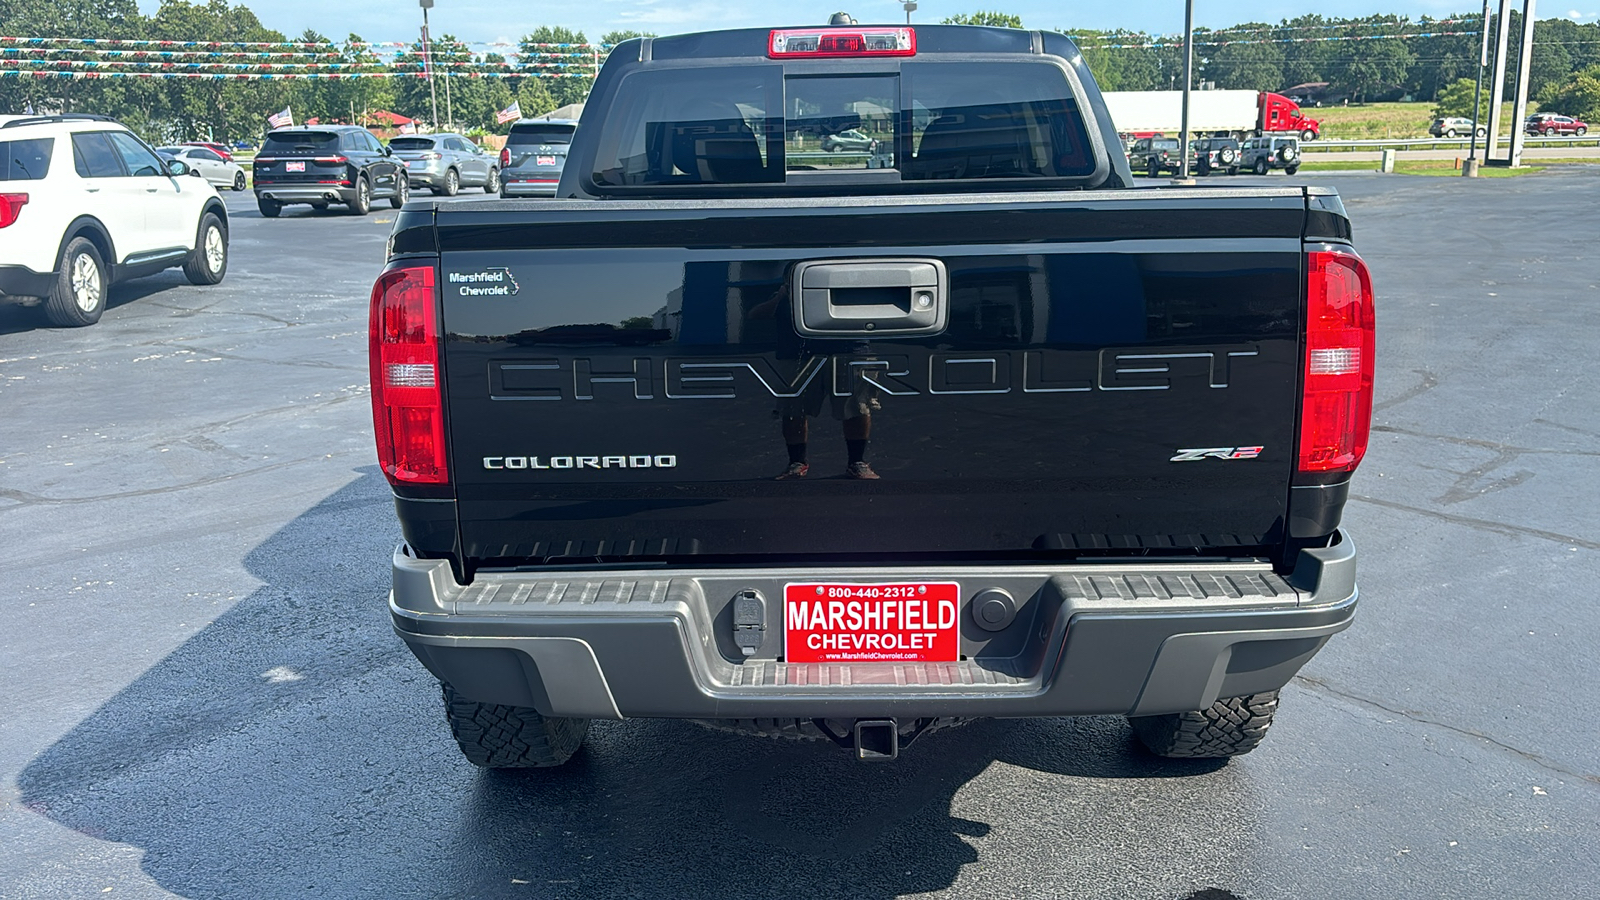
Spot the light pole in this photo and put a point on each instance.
(1471, 168)
(1188, 85)
(911, 7)
(427, 61)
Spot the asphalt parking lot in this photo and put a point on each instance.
(204, 697)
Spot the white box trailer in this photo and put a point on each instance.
(1162, 111)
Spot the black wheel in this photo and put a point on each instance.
(1290, 170)
(1549, 132)
(1482, 132)
(452, 183)
(79, 295)
(320, 207)
(1308, 135)
(1204, 168)
(1155, 169)
(208, 261)
(1580, 132)
(238, 181)
(1229, 728)
(503, 194)
(1227, 155)
(1233, 170)
(269, 208)
(402, 193)
(1449, 132)
(361, 204)
(492, 186)
(511, 737)
(1261, 165)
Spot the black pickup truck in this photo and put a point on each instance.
(854, 446)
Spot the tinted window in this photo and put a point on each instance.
(541, 134)
(1165, 145)
(411, 143)
(203, 153)
(693, 126)
(94, 157)
(25, 160)
(994, 120)
(281, 142)
(139, 160)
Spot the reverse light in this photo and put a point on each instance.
(10, 207)
(825, 43)
(407, 400)
(1336, 403)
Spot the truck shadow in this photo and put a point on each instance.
(294, 748)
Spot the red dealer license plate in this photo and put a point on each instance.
(890, 622)
(544, 161)
(294, 167)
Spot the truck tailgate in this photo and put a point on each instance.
(1118, 373)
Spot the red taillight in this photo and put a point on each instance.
(819, 43)
(505, 158)
(10, 207)
(330, 159)
(407, 401)
(1336, 405)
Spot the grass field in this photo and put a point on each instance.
(1385, 120)
(1436, 167)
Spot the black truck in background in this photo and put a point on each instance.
(854, 446)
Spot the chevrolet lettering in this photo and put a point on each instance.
(858, 393)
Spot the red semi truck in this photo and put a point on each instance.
(1235, 113)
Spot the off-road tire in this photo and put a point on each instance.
(1290, 170)
(492, 186)
(1233, 170)
(361, 203)
(402, 193)
(511, 737)
(1261, 165)
(238, 181)
(269, 208)
(1230, 727)
(61, 306)
(208, 264)
(1155, 170)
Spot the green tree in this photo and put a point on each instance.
(567, 71)
(1579, 97)
(985, 17)
(1456, 100)
(1256, 67)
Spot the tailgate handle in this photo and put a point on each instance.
(877, 297)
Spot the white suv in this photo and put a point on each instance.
(85, 204)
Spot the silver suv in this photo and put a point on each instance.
(446, 163)
(1263, 154)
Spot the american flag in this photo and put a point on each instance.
(510, 113)
(281, 119)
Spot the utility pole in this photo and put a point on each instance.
(911, 7)
(427, 61)
(449, 113)
(1519, 110)
(1471, 168)
(1497, 89)
(1188, 85)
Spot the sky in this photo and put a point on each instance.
(491, 20)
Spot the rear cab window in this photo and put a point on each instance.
(26, 160)
(541, 134)
(927, 121)
(300, 142)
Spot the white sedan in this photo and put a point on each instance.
(208, 165)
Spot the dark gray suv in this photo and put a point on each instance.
(534, 155)
(446, 163)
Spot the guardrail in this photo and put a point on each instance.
(1432, 143)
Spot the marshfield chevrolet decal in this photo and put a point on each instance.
(494, 282)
